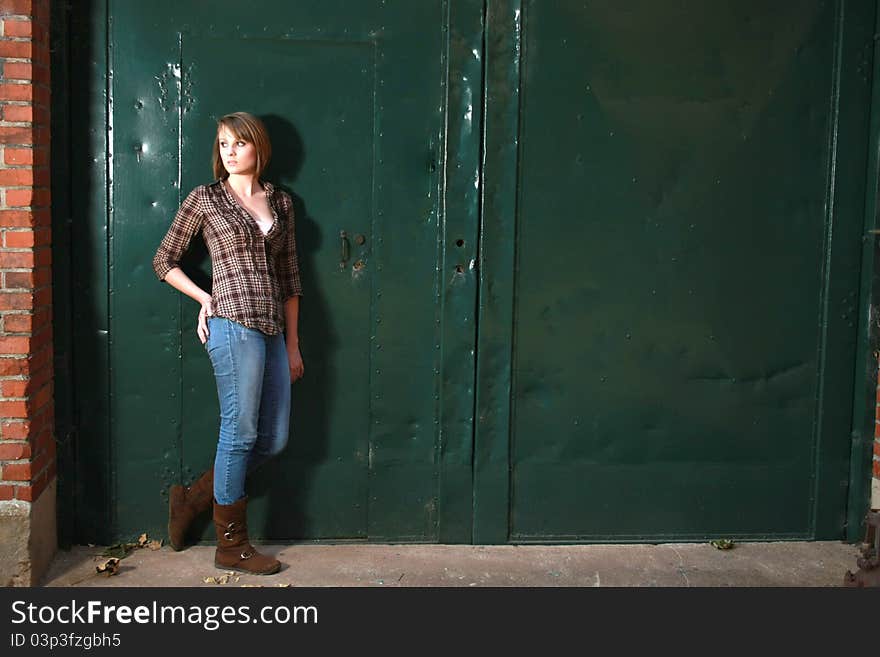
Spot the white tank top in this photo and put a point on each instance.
(264, 224)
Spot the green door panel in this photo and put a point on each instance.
(355, 102)
(678, 272)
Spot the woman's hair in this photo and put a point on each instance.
(249, 128)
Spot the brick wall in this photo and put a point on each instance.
(875, 487)
(27, 443)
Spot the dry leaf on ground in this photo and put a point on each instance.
(108, 568)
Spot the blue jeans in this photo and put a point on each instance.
(253, 386)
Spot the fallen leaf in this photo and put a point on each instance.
(155, 545)
(108, 568)
(722, 544)
(142, 540)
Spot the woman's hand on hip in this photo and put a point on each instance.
(296, 362)
(204, 313)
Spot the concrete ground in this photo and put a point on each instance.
(686, 564)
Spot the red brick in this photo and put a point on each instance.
(37, 342)
(39, 419)
(41, 94)
(18, 71)
(26, 156)
(19, 279)
(24, 7)
(40, 483)
(14, 451)
(16, 345)
(17, 323)
(22, 49)
(39, 462)
(42, 257)
(13, 409)
(877, 469)
(19, 197)
(18, 239)
(6, 492)
(23, 493)
(41, 216)
(42, 316)
(40, 155)
(12, 177)
(877, 449)
(16, 259)
(16, 218)
(16, 429)
(40, 357)
(16, 472)
(41, 115)
(40, 70)
(37, 485)
(42, 297)
(14, 366)
(39, 378)
(17, 28)
(14, 388)
(37, 277)
(16, 300)
(18, 112)
(23, 198)
(41, 397)
(17, 92)
(41, 176)
(43, 237)
(40, 32)
(17, 135)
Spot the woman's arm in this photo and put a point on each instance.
(180, 281)
(166, 263)
(291, 321)
(291, 337)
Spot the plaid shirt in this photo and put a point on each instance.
(253, 274)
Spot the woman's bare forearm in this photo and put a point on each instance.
(177, 279)
(291, 321)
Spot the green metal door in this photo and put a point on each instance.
(363, 121)
(675, 238)
(662, 205)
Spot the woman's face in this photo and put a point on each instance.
(238, 156)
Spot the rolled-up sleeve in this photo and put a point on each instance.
(187, 222)
(288, 263)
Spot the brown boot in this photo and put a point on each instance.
(234, 551)
(184, 504)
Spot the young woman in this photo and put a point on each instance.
(248, 325)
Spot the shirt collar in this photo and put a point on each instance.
(269, 187)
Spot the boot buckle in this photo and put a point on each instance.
(246, 555)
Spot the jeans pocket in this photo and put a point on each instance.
(207, 341)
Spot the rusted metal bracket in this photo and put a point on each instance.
(869, 561)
